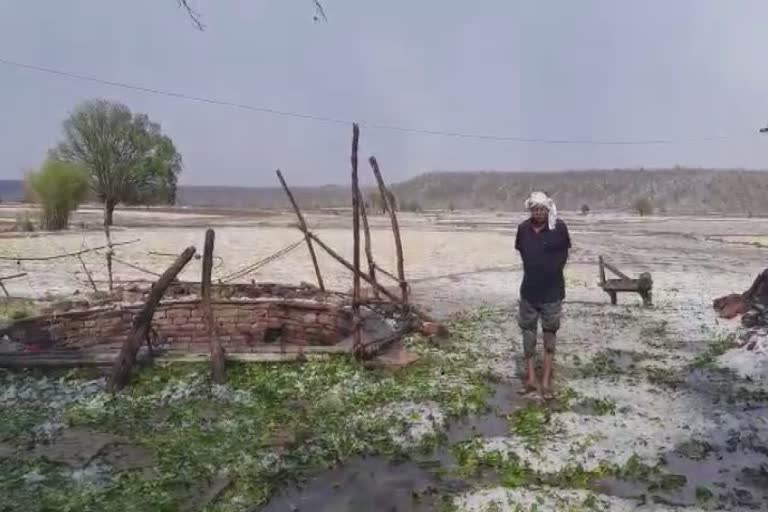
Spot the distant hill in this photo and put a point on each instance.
(675, 191)
(670, 190)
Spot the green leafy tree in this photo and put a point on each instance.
(127, 156)
(59, 187)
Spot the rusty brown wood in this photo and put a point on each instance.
(121, 369)
(395, 228)
(303, 227)
(217, 351)
(355, 242)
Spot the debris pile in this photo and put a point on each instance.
(751, 358)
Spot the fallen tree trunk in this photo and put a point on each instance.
(121, 370)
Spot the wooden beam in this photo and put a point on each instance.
(391, 296)
(303, 227)
(616, 271)
(368, 244)
(356, 324)
(395, 228)
(601, 263)
(121, 369)
(217, 351)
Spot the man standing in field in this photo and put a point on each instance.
(543, 242)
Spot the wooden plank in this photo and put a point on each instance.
(121, 370)
(615, 285)
(217, 351)
(303, 227)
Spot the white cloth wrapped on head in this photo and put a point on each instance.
(542, 199)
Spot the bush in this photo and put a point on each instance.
(585, 209)
(24, 223)
(59, 187)
(412, 206)
(643, 206)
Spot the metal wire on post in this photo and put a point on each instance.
(255, 266)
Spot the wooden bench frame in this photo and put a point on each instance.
(643, 285)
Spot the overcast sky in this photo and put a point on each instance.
(682, 70)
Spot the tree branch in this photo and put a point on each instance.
(193, 14)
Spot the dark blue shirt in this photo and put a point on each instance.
(544, 256)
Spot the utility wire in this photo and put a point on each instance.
(333, 120)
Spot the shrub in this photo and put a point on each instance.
(24, 223)
(412, 206)
(643, 206)
(59, 187)
(585, 209)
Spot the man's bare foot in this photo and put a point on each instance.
(529, 387)
(546, 393)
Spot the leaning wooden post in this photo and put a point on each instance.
(368, 246)
(388, 294)
(217, 351)
(355, 242)
(303, 227)
(121, 370)
(395, 228)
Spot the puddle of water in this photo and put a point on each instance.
(736, 479)
(380, 484)
(372, 483)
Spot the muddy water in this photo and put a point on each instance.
(727, 469)
(381, 484)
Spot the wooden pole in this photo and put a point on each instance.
(601, 263)
(121, 369)
(108, 235)
(303, 227)
(355, 242)
(87, 273)
(395, 228)
(368, 245)
(391, 296)
(217, 351)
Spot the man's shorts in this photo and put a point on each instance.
(528, 319)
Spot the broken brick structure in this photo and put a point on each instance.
(247, 318)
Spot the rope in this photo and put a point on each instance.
(65, 255)
(254, 267)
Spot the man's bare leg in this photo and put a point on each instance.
(530, 381)
(549, 361)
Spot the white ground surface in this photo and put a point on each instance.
(461, 261)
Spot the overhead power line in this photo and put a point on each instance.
(370, 125)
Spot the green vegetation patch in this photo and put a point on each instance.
(271, 424)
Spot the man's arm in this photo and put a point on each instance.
(517, 239)
(565, 244)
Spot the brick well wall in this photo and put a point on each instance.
(240, 325)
